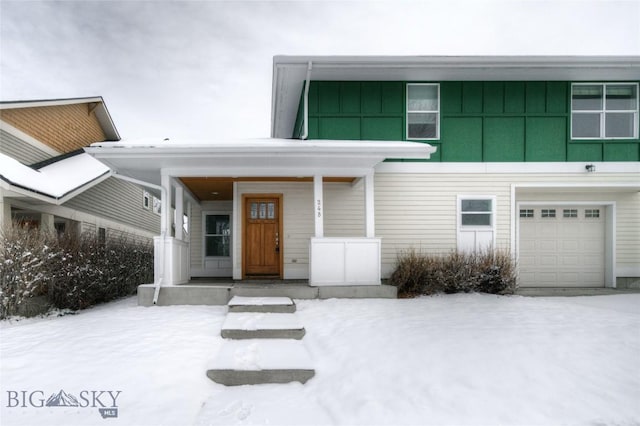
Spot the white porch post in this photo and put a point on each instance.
(179, 212)
(318, 215)
(5, 211)
(369, 207)
(165, 209)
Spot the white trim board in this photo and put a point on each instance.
(518, 168)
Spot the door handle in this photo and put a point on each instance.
(277, 242)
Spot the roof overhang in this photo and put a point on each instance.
(101, 111)
(56, 182)
(289, 73)
(147, 161)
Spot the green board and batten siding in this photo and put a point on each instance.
(479, 121)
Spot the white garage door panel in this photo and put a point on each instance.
(562, 251)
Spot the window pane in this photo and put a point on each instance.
(570, 213)
(217, 246)
(526, 212)
(263, 210)
(422, 125)
(422, 97)
(586, 97)
(217, 224)
(271, 211)
(585, 125)
(254, 210)
(548, 213)
(483, 219)
(622, 97)
(619, 124)
(476, 205)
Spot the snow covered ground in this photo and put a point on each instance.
(443, 360)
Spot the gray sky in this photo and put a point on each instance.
(202, 69)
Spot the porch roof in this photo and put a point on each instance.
(147, 160)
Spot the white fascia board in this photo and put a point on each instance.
(519, 168)
(265, 172)
(48, 102)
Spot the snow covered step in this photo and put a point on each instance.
(256, 325)
(250, 362)
(261, 304)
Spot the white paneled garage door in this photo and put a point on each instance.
(561, 246)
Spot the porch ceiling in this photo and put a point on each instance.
(221, 188)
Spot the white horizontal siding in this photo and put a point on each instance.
(20, 150)
(418, 210)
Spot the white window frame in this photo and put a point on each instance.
(146, 200)
(436, 112)
(460, 228)
(603, 111)
(204, 233)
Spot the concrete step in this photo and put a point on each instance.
(251, 362)
(275, 290)
(262, 304)
(257, 325)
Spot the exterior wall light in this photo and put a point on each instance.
(590, 168)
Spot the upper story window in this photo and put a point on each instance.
(423, 111)
(604, 111)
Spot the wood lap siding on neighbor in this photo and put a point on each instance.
(480, 121)
(64, 128)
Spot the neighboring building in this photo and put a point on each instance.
(536, 155)
(47, 180)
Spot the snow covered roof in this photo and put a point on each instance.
(146, 159)
(289, 73)
(101, 111)
(56, 181)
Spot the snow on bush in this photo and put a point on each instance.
(489, 271)
(71, 271)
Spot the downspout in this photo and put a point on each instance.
(307, 83)
(163, 232)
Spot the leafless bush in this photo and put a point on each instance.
(73, 271)
(489, 271)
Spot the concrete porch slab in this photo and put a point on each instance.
(219, 293)
(262, 304)
(255, 325)
(248, 362)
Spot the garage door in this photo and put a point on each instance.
(562, 246)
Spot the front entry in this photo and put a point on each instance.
(262, 244)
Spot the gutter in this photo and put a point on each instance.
(305, 132)
(163, 232)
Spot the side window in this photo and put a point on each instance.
(476, 222)
(217, 235)
(604, 111)
(423, 111)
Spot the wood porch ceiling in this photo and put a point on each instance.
(221, 188)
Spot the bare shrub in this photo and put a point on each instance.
(72, 271)
(489, 271)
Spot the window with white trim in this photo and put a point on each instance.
(146, 200)
(604, 111)
(548, 213)
(526, 213)
(592, 213)
(423, 111)
(476, 222)
(570, 213)
(217, 235)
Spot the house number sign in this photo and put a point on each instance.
(319, 208)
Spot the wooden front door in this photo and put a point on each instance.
(262, 242)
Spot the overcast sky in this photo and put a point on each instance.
(202, 69)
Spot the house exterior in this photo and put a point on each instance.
(46, 179)
(372, 156)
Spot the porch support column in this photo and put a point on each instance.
(318, 206)
(179, 212)
(165, 213)
(5, 211)
(47, 222)
(369, 206)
